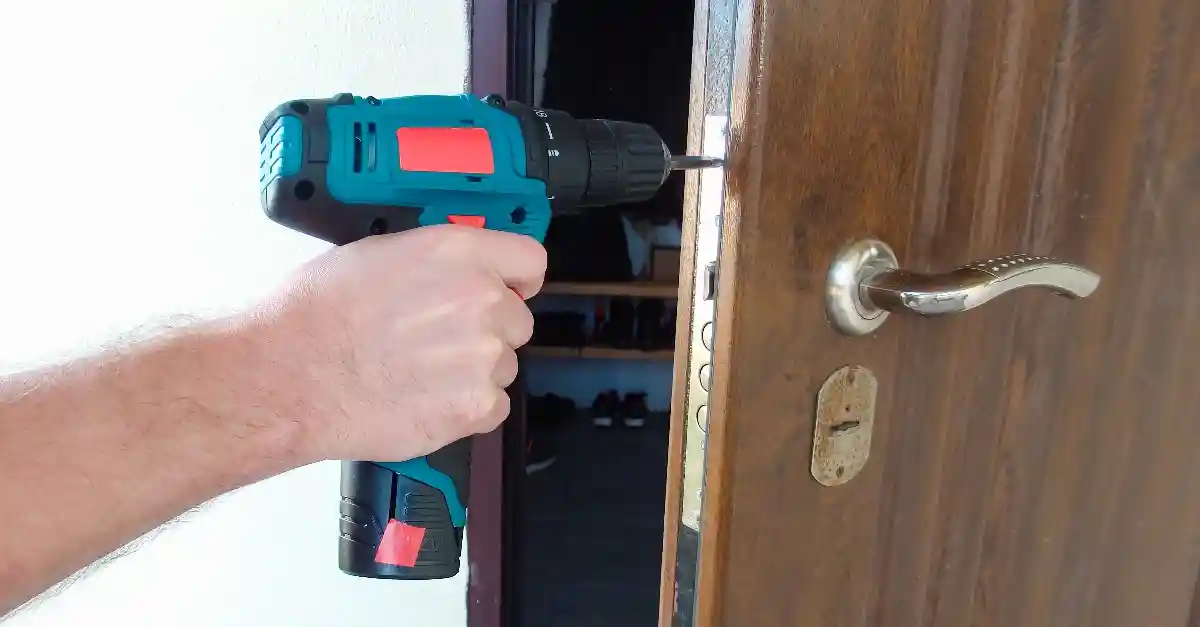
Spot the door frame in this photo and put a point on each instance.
(695, 449)
(488, 518)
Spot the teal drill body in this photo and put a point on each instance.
(348, 167)
(364, 163)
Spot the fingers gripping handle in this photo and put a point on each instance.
(405, 520)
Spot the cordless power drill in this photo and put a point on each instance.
(348, 167)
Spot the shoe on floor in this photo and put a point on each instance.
(540, 453)
(634, 410)
(604, 408)
(545, 416)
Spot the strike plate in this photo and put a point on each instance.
(845, 418)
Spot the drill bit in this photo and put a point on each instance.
(690, 162)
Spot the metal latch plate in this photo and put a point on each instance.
(845, 419)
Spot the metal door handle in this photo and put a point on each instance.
(865, 283)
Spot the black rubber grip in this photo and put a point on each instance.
(302, 201)
(454, 461)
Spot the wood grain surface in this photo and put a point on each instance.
(1035, 462)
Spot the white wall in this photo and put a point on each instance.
(128, 190)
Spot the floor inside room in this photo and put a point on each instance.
(592, 525)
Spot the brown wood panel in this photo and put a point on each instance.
(1035, 461)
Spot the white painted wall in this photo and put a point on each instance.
(128, 190)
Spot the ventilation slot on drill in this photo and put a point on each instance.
(364, 147)
(358, 147)
(370, 147)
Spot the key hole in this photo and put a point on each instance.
(844, 427)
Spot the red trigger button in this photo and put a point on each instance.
(477, 222)
(473, 221)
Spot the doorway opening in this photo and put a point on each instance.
(586, 448)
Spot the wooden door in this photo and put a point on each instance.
(1035, 461)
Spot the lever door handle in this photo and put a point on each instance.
(865, 284)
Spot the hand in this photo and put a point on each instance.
(394, 346)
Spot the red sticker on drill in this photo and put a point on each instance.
(452, 150)
(400, 545)
(473, 221)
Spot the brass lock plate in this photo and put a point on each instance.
(845, 419)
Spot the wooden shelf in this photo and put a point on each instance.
(639, 289)
(596, 352)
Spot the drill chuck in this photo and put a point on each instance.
(591, 162)
(628, 162)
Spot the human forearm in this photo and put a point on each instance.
(101, 450)
(389, 348)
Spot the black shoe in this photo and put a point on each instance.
(604, 408)
(544, 421)
(618, 330)
(559, 328)
(634, 410)
(599, 326)
(649, 323)
(540, 453)
(666, 331)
